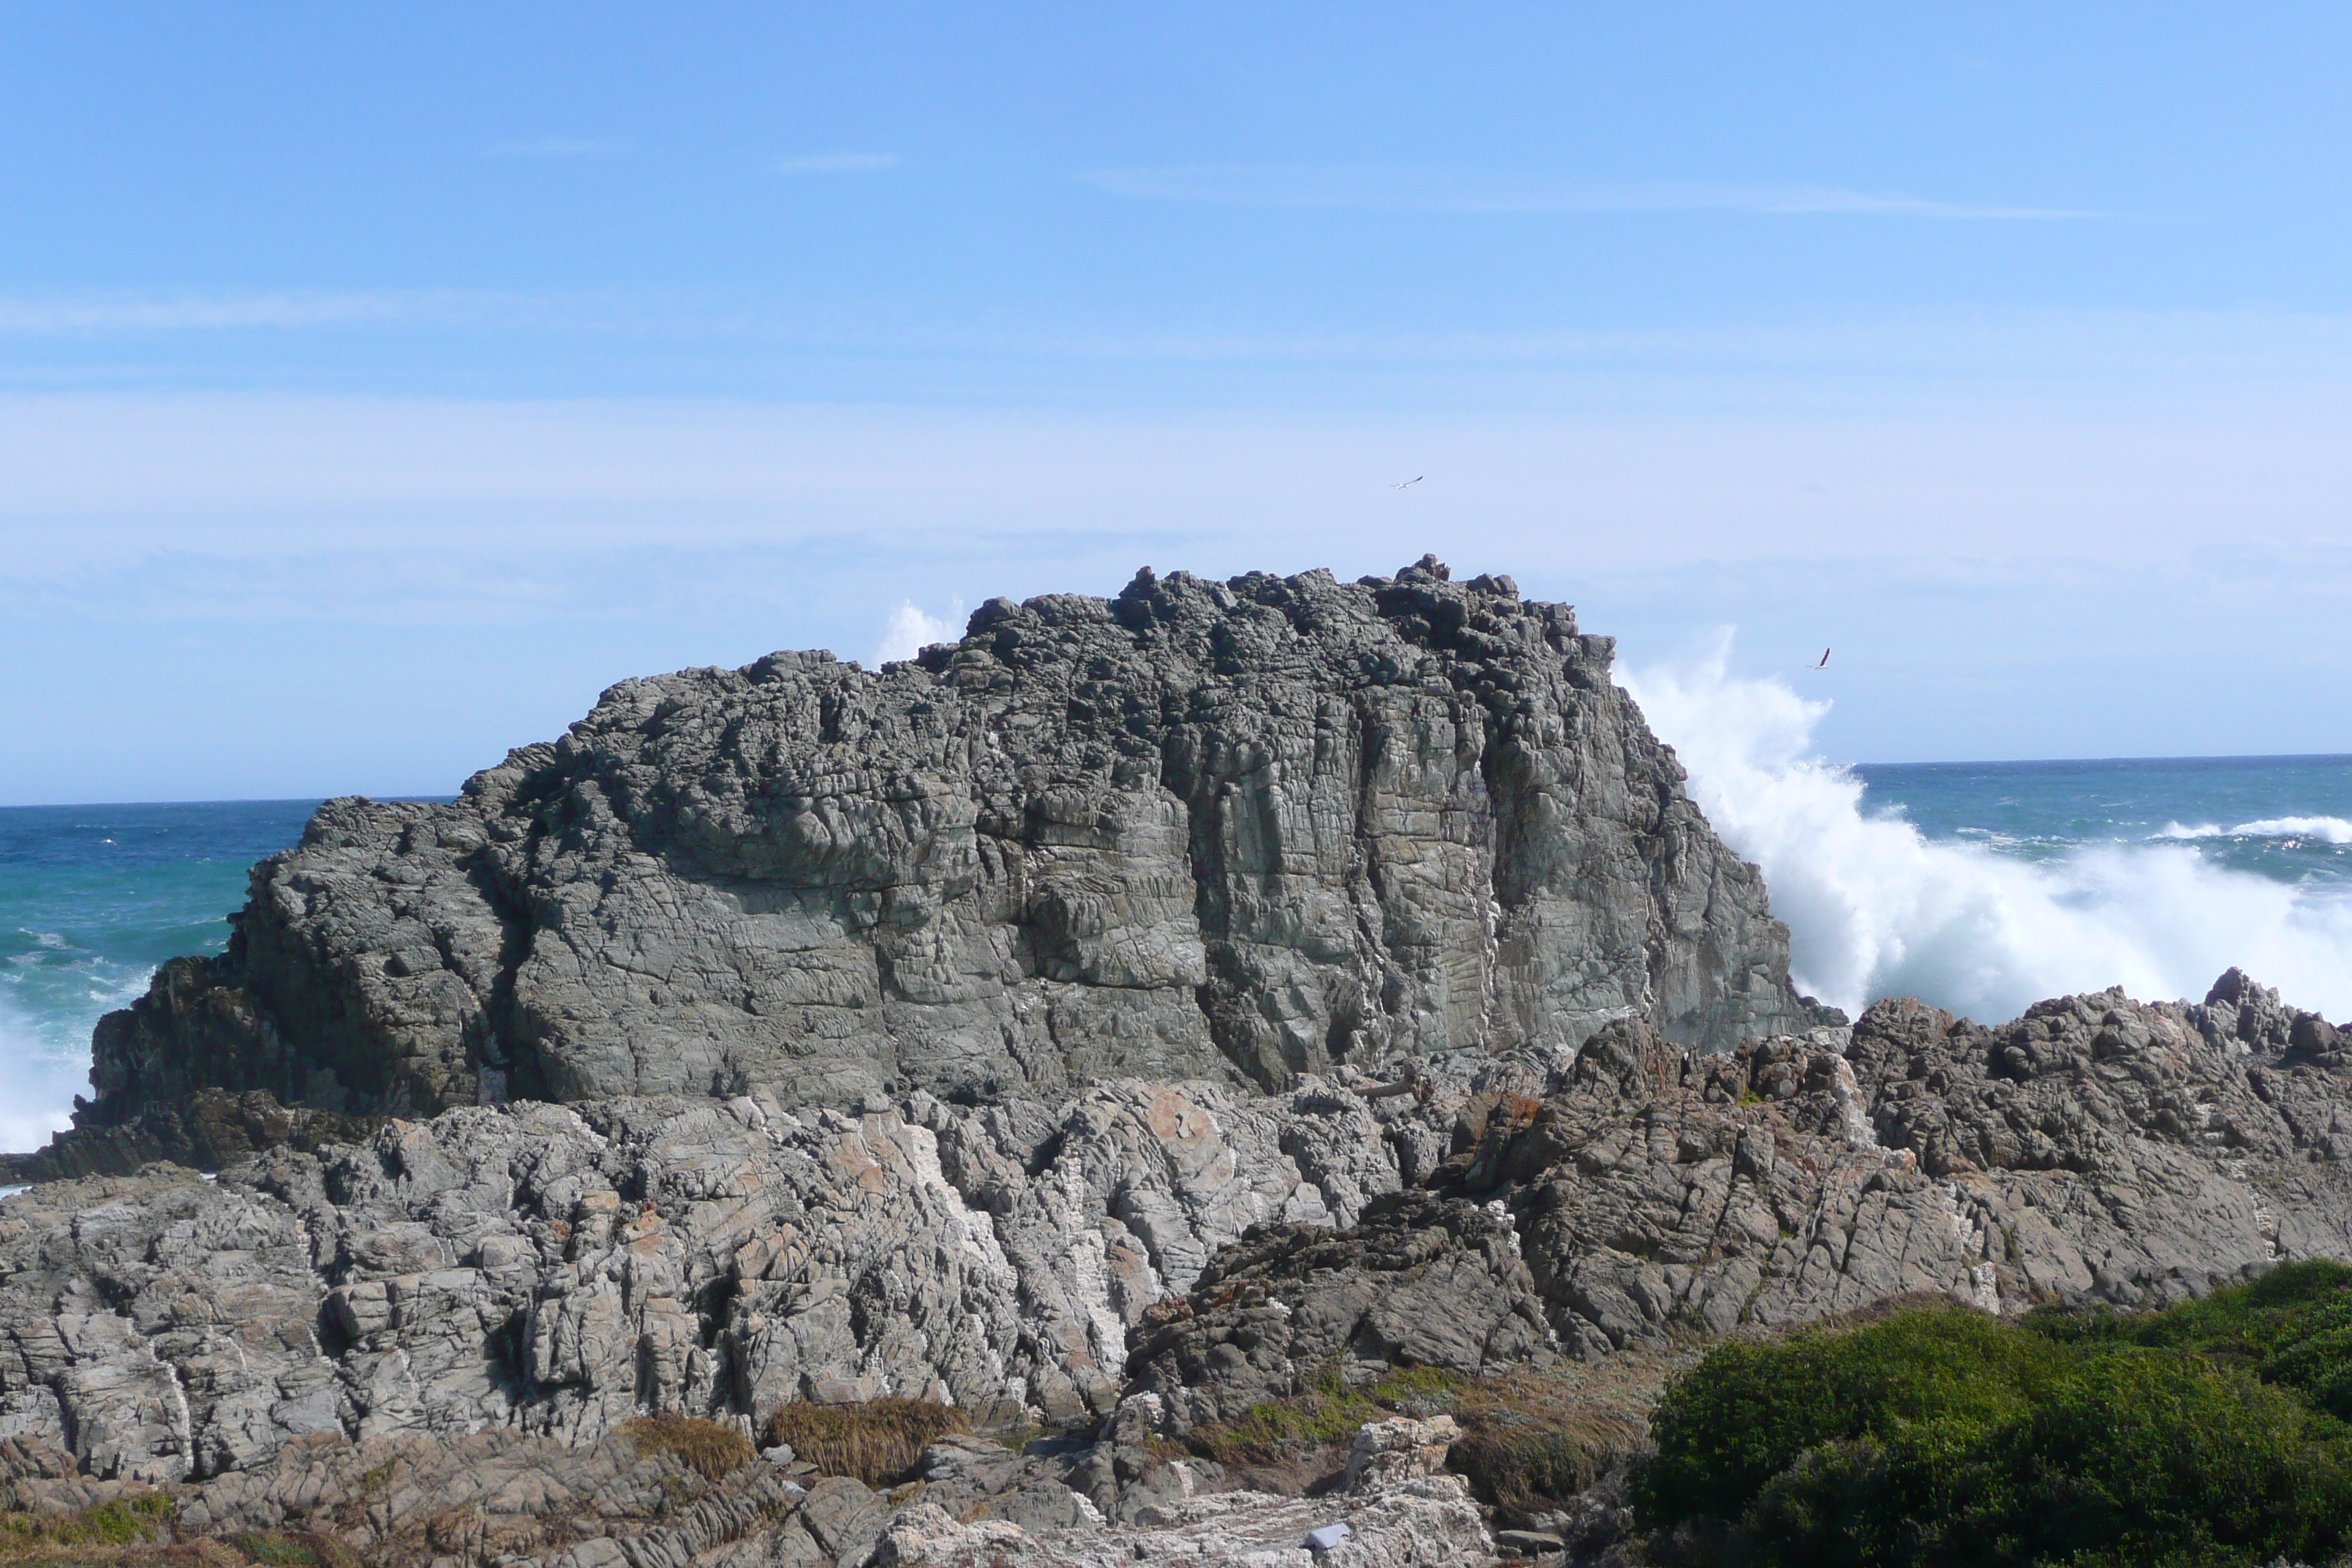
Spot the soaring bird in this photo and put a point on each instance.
(1826, 660)
(1414, 480)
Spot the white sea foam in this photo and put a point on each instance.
(2327, 829)
(37, 1083)
(1876, 908)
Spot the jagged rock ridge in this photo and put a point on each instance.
(558, 1271)
(1241, 830)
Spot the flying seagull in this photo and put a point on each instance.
(1826, 660)
(1414, 480)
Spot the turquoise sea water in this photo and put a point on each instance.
(92, 898)
(1979, 885)
(2285, 818)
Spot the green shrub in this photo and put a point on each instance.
(1942, 1438)
(2291, 1326)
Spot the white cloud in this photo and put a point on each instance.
(908, 631)
(837, 163)
(1444, 191)
(560, 147)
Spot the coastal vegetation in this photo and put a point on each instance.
(878, 1442)
(2208, 1433)
(1531, 1440)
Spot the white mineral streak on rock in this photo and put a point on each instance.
(1974, 1235)
(1853, 1109)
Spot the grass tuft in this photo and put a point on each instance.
(709, 1450)
(878, 1442)
(1529, 1440)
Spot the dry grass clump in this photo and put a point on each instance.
(137, 1533)
(878, 1442)
(1282, 1431)
(1531, 1439)
(707, 1448)
(100, 1534)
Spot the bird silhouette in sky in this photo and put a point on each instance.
(1826, 660)
(1409, 483)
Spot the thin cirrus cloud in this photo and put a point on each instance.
(560, 147)
(837, 164)
(1435, 191)
(234, 313)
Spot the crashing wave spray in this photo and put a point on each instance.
(1876, 908)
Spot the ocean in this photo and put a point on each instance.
(92, 899)
(1982, 887)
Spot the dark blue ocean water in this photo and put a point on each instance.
(92, 898)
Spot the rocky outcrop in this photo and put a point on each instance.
(1399, 1509)
(560, 1270)
(2096, 1148)
(557, 1270)
(1420, 1281)
(518, 1501)
(1243, 830)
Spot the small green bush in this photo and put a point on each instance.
(2291, 1326)
(1943, 1438)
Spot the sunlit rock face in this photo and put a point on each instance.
(1238, 830)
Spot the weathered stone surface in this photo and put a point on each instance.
(503, 1497)
(1203, 829)
(545, 1272)
(2094, 1148)
(560, 1269)
(1426, 1522)
(1419, 1282)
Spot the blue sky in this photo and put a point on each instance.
(375, 387)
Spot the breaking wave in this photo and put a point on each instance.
(37, 1081)
(2327, 829)
(1877, 909)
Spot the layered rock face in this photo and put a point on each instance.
(1240, 830)
(556, 1270)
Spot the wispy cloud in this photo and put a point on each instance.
(560, 147)
(1442, 191)
(232, 313)
(837, 163)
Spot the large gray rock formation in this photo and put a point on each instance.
(1243, 830)
(556, 1270)
(2095, 1148)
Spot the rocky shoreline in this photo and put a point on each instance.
(1145, 1260)
(1137, 1017)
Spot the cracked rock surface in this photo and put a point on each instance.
(554, 1270)
(1241, 829)
(2095, 1148)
